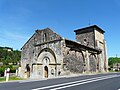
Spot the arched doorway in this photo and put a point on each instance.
(27, 72)
(46, 72)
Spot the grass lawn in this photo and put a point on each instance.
(11, 78)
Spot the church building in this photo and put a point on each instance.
(47, 55)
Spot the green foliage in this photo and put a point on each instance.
(9, 56)
(113, 60)
(12, 69)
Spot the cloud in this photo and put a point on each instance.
(12, 39)
(12, 36)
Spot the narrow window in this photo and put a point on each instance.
(45, 37)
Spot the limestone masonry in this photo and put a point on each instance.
(47, 55)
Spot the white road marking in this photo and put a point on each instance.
(78, 82)
(66, 83)
(82, 83)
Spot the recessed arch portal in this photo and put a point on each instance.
(47, 50)
(47, 59)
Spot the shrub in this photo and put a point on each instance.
(2, 69)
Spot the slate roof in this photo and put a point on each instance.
(86, 29)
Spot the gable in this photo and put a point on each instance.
(42, 36)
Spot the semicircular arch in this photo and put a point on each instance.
(47, 52)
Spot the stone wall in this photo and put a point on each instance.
(77, 62)
(93, 63)
(86, 39)
(73, 61)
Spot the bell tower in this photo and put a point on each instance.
(93, 36)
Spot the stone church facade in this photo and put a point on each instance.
(47, 55)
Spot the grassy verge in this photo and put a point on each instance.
(11, 78)
(2, 79)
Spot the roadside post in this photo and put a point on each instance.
(7, 74)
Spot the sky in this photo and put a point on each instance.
(20, 18)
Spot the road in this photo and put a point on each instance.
(109, 81)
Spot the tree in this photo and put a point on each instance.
(113, 60)
(7, 57)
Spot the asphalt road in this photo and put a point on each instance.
(109, 81)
